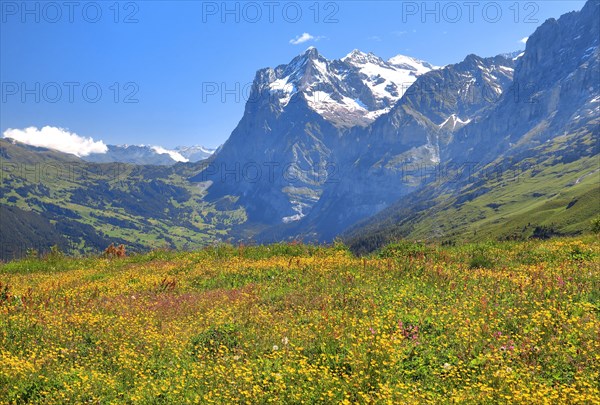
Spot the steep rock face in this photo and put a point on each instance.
(555, 91)
(280, 155)
(272, 160)
(400, 151)
(435, 106)
(344, 139)
(549, 115)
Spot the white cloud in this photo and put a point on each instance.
(524, 40)
(304, 38)
(56, 138)
(176, 156)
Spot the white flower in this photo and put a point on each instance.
(275, 347)
(446, 366)
(285, 341)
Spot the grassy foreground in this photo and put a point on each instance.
(514, 322)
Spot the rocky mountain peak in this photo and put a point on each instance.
(559, 46)
(357, 57)
(353, 90)
(311, 53)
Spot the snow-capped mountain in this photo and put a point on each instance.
(354, 90)
(395, 155)
(150, 155)
(315, 115)
(194, 153)
(543, 128)
(555, 91)
(325, 143)
(387, 81)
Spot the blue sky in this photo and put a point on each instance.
(163, 54)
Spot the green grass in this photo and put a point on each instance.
(550, 189)
(486, 323)
(124, 208)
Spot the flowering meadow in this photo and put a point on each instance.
(489, 323)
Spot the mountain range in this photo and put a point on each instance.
(361, 148)
(337, 163)
(150, 155)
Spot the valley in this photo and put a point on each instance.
(358, 148)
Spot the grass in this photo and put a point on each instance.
(544, 188)
(487, 323)
(146, 207)
(513, 209)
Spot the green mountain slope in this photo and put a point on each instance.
(49, 198)
(553, 189)
(530, 166)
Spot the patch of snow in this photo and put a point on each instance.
(419, 65)
(454, 119)
(280, 84)
(284, 89)
(399, 73)
(463, 122)
(299, 208)
(435, 156)
(519, 55)
(360, 103)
